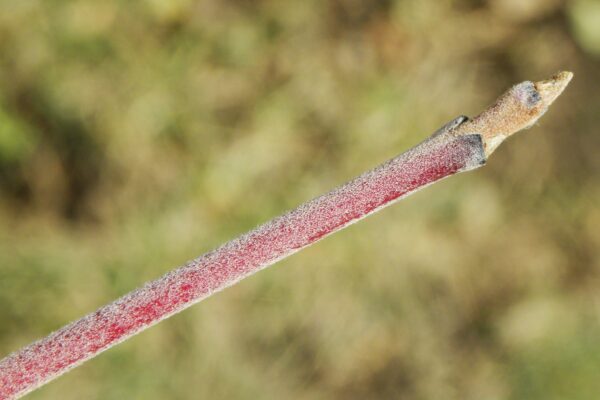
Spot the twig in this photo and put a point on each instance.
(461, 145)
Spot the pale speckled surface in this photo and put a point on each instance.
(438, 157)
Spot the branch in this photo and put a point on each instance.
(461, 145)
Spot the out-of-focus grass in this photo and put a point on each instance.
(137, 135)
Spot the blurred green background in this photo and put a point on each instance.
(135, 135)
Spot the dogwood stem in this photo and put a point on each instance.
(459, 146)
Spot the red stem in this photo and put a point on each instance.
(440, 156)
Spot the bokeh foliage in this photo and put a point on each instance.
(135, 135)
